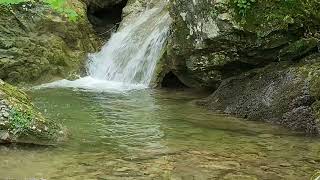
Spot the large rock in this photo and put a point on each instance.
(38, 44)
(281, 93)
(213, 40)
(20, 122)
(254, 57)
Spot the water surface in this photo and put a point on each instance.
(156, 134)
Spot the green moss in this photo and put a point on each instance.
(316, 109)
(298, 48)
(12, 93)
(309, 68)
(265, 16)
(25, 123)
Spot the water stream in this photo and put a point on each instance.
(128, 60)
(156, 134)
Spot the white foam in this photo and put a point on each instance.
(128, 60)
(131, 54)
(91, 84)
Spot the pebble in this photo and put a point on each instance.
(123, 169)
(285, 164)
(265, 135)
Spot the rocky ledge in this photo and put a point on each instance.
(39, 44)
(261, 60)
(20, 122)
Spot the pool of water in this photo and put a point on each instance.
(156, 134)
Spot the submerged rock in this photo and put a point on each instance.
(38, 44)
(20, 122)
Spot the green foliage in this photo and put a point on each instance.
(62, 7)
(20, 122)
(8, 2)
(264, 16)
(59, 6)
(243, 5)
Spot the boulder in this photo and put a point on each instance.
(38, 44)
(261, 60)
(215, 40)
(281, 93)
(20, 122)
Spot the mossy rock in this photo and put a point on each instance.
(283, 93)
(269, 31)
(38, 44)
(20, 122)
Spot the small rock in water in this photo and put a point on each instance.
(286, 164)
(123, 169)
(238, 177)
(265, 135)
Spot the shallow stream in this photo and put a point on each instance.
(156, 134)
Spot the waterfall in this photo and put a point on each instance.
(131, 55)
(128, 60)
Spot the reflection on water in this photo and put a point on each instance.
(153, 134)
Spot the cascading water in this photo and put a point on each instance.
(129, 58)
(131, 55)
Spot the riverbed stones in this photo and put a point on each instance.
(20, 122)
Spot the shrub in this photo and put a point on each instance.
(243, 5)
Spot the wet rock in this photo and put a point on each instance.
(279, 93)
(21, 123)
(225, 165)
(123, 169)
(39, 45)
(286, 164)
(266, 135)
(239, 177)
(4, 136)
(212, 41)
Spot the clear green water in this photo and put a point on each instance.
(157, 134)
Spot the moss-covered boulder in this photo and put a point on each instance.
(20, 122)
(38, 44)
(215, 40)
(281, 93)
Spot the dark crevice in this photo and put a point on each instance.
(106, 20)
(170, 80)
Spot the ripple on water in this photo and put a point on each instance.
(153, 134)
